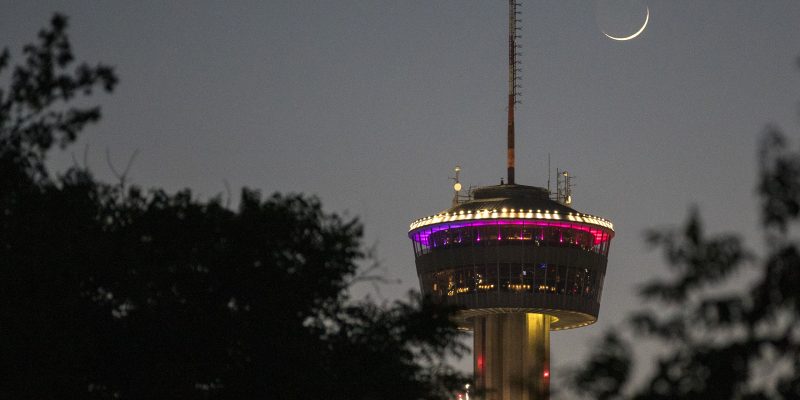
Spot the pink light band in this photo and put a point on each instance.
(600, 235)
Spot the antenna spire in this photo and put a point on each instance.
(513, 84)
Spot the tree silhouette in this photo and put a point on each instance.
(110, 291)
(718, 343)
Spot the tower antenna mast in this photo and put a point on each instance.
(513, 80)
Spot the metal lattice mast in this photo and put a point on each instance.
(513, 80)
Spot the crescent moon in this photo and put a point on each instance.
(637, 33)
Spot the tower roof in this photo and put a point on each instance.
(511, 202)
(510, 197)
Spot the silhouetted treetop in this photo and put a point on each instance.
(34, 109)
(112, 291)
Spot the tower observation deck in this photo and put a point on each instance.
(520, 265)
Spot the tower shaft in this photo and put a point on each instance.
(512, 356)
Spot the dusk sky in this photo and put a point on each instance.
(370, 104)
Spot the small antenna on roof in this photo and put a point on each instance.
(548, 174)
(567, 188)
(563, 187)
(457, 185)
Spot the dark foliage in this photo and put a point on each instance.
(719, 344)
(607, 370)
(108, 291)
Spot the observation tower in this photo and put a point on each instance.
(520, 261)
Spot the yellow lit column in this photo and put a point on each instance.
(512, 356)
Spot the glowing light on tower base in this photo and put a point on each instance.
(514, 350)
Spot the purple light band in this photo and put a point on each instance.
(600, 235)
